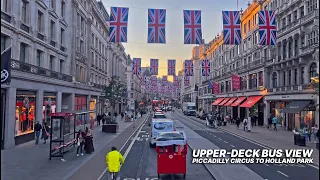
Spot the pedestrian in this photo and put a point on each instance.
(122, 115)
(315, 130)
(45, 132)
(245, 123)
(98, 119)
(80, 142)
(104, 119)
(275, 122)
(88, 141)
(270, 122)
(306, 132)
(37, 129)
(238, 122)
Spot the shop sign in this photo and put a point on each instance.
(285, 97)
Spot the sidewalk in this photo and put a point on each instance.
(30, 161)
(281, 139)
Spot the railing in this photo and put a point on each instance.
(291, 89)
(25, 67)
(310, 17)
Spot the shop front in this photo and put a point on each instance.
(233, 111)
(303, 113)
(276, 109)
(223, 109)
(25, 116)
(80, 104)
(240, 111)
(254, 108)
(93, 104)
(215, 107)
(3, 105)
(49, 106)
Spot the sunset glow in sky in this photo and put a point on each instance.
(137, 46)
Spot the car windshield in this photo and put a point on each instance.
(158, 116)
(191, 107)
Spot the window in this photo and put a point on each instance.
(302, 40)
(274, 79)
(77, 72)
(289, 77)
(24, 11)
(39, 23)
(5, 4)
(91, 77)
(302, 75)
(81, 46)
(4, 42)
(51, 61)
(23, 49)
(63, 7)
(301, 11)
(312, 5)
(313, 71)
(62, 36)
(61, 66)
(38, 58)
(92, 39)
(52, 29)
(261, 78)
(53, 4)
(295, 76)
(284, 78)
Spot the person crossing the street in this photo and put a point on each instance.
(114, 159)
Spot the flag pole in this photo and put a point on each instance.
(6, 50)
(237, 5)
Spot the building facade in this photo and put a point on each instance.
(56, 64)
(289, 73)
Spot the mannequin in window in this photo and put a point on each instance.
(23, 119)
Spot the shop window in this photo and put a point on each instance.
(49, 106)
(93, 103)
(80, 103)
(274, 79)
(25, 114)
(260, 78)
(312, 71)
(302, 75)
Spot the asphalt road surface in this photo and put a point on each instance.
(228, 141)
(141, 161)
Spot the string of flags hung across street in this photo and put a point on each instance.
(232, 30)
(192, 26)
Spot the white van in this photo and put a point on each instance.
(160, 125)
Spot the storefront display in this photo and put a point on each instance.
(80, 103)
(49, 106)
(93, 103)
(25, 114)
(307, 119)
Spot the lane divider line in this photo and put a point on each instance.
(124, 157)
(232, 145)
(265, 164)
(283, 173)
(225, 142)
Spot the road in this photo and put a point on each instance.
(228, 141)
(140, 159)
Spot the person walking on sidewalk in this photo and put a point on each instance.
(80, 142)
(45, 132)
(315, 130)
(270, 122)
(245, 124)
(275, 122)
(238, 122)
(99, 117)
(37, 129)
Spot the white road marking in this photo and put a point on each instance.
(130, 146)
(225, 141)
(219, 138)
(232, 145)
(214, 136)
(283, 173)
(265, 164)
(142, 131)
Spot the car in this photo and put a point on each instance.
(159, 115)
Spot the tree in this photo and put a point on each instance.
(115, 92)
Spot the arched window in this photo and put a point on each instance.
(312, 71)
(274, 79)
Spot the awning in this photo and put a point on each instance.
(295, 106)
(224, 101)
(238, 101)
(252, 100)
(216, 102)
(230, 101)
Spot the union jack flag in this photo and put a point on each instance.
(231, 27)
(188, 68)
(192, 27)
(205, 67)
(154, 66)
(172, 67)
(136, 66)
(156, 26)
(267, 28)
(118, 24)
(154, 80)
(186, 80)
(164, 80)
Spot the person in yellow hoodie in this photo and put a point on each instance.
(114, 159)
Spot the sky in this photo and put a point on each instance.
(174, 48)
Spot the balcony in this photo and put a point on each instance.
(305, 88)
(309, 49)
(290, 27)
(310, 17)
(28, 68)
